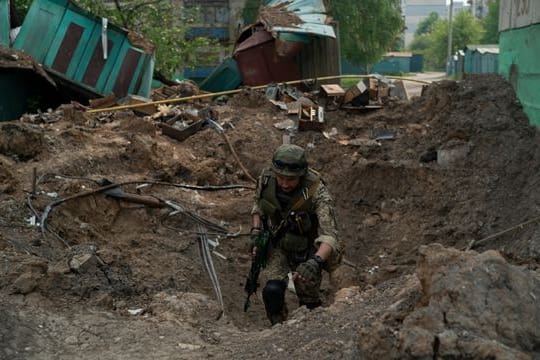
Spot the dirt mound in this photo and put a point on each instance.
(453, 167)
(459, 316)
(20, 142)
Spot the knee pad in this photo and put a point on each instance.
(274, 296)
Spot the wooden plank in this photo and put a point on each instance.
(333, 90)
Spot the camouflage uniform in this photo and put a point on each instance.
(306, 228)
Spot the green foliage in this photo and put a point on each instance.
(21, 7)
(425, 26)
(421, 43)
(466, 29)
(250, 11)
(367, 28)
(491, 23)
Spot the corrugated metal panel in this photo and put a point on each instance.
(515, 14)
(4, 22)
(259, 64)
(480, 59)
(256, 39)
(225, 77)
(314, 29)
(417, 63)
(313, 65)
(301, 6)
(311, 12)
(96, 65)
(39, 28)
(94, 69)
(518, 62)
(68, 41)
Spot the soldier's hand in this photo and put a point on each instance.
(309, 272)
(252, 242)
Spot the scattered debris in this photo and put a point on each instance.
(382, 134)
(136, 312)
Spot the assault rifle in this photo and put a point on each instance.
(262, 243)
(258, 262)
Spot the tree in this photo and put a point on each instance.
(425, 26)
(21, 7)
(367, 28)
(421, 43)
(250, 11)
(491, 23)
(466, 30)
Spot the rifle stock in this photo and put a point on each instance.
(258, 262)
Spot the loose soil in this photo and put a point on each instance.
(114, 279)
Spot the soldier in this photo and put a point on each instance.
(291, 197)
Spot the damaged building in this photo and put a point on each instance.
(85, 56)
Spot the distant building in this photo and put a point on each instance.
(480, 7)
(414, 11)
(220, 19)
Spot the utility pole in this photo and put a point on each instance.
(449, 58)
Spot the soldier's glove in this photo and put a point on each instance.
(310, 270)
(253, 237)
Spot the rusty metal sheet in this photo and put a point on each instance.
(256, 39)
(258, 63)
(180, 134)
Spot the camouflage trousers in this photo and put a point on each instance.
(280, 264)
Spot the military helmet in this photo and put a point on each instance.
(289, 160)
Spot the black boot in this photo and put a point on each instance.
(274, 301)
(311, 305)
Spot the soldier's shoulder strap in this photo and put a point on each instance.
(306, 194)
(264, 179)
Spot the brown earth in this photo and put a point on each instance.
(463, 164)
